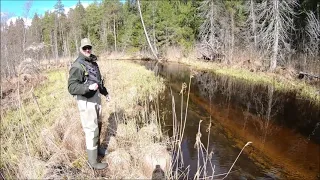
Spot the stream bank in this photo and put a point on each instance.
(284, 128)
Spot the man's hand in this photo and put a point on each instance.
(108, 98)
(93, 87)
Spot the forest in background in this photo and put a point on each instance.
(272, 32)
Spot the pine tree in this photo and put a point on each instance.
(93, 20)
(59, 11)
(77, 27)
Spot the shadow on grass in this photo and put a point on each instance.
(112, 126)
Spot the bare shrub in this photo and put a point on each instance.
(287, 72)
(73, 139)
(192, 55)
(114, 55)
(173, 54)
(59, 127)
(59, 167)
(148, 134)
(127, 132)
(252, 62)
(29, 66)
(30, 168)
(119, 164)
(48, 140)
(9, 89)
(112, 145)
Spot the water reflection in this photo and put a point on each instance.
(285, 130)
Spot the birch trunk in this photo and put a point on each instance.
(145, 31)
(114, 34)
(153, 28)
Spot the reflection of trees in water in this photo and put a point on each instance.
(264, 112)
(207, 84)
(259, 104)
(257, 110)
(261, 107)
(258, 107)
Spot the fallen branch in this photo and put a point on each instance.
(304, 74)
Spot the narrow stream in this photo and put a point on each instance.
(284, 129)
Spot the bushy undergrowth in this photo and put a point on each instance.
(44, 138)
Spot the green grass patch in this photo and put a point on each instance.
(20, 128)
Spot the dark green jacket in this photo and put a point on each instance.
(78, 75)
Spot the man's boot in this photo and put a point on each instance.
(102, 151)
(92, 158)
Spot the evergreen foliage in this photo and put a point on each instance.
(221, 28)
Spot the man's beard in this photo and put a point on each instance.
(85, 53)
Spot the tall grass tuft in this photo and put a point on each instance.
(44, 138)
(178, 169)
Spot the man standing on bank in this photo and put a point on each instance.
(86, 83)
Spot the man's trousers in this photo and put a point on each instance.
(90, 115)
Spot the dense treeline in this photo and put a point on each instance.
(275, 32)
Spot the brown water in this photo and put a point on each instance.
(284, 129)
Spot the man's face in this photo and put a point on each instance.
(87, 50)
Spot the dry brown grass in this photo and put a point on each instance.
(135, 128)
(53, 146)
(254, 71)
(173, 54)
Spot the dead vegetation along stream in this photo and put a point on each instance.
(283, 80)
(43, 138)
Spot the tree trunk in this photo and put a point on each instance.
(52, 47)
(105, 37)
(24, 42)
(253, 24)
(62, 38)
(273, 63)
(6, 58)
(60, 32)
(145, 31)
(76, 41)
(153, 28)
(67, 45)
(114, 33)
(107, 27)
(211, 26)
(56, 39)
(232, 38)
